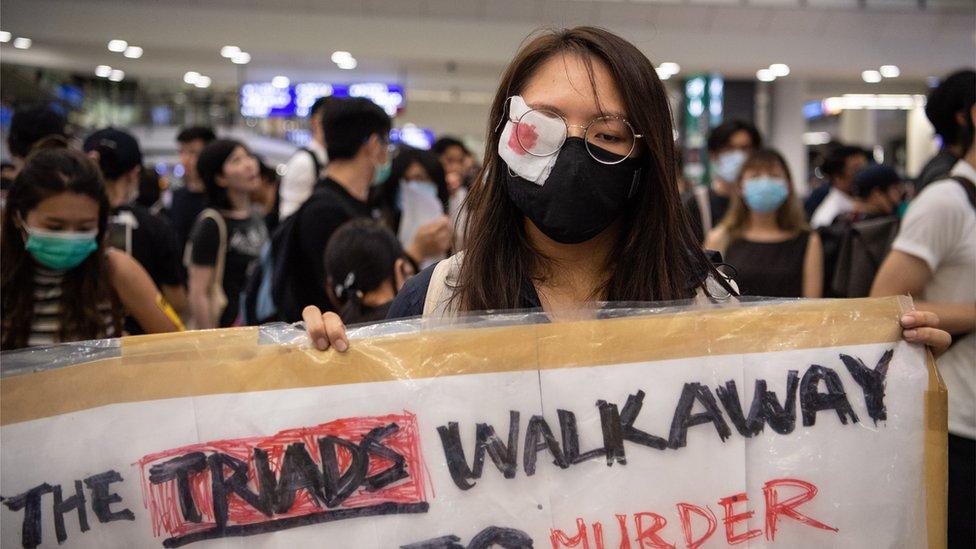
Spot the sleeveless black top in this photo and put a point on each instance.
(769, 269)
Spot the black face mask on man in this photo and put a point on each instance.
(569, 196)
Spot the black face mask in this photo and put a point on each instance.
(580, 198)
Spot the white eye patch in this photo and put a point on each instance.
(536, 134)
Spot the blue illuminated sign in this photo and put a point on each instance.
(263, 100)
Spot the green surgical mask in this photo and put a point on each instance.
(60, 250)
(382, 172)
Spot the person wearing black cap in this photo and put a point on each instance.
(227, 236)
(149, 239)
(866, 233)
(878, 191)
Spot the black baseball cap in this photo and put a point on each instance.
(878, 176)
(118, 151)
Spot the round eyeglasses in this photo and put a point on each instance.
(608, 139)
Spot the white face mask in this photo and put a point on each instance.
(729, 164)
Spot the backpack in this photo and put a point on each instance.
(866, 245)
(268, 290)
(862, 250)
(831, 237)
(258, 301)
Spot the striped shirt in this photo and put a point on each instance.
(46, 324)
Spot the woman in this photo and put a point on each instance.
(765, 236)
(60, 282)
(577, 201)
(226, 237)
(413, 201)
(365, 267)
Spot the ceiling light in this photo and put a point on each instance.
(241, 58)
(347, 64)
(765, 75)
(191, 77)
(280, 81)
(118, 46)
(133, 52)
(779, 69)
(5, 37)
(116, 75)
(103, 71)
(203, 82)
(890, 71)
(340, 56)
(669, 67)
(229, 51)
(22, 43)
(871, 77)
(663, 74)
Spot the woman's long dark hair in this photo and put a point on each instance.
(49, 173)
(656, 258)
(385, 197)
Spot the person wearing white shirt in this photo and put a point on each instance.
(838, 201)
(933, 259)
(305, 167)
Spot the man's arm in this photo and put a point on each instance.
(904, 274)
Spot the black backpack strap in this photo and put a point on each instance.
(969, 186)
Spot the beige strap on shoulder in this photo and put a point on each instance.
(438, 303)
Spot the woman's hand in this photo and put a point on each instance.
(923, 327)
(325, 329)
(432, 239)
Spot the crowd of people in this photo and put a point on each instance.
(579, 199)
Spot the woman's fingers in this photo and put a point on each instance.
(315, 326)
(935, 339)
(920, 319)
(922, 327)
(325, 330)
(336, 331)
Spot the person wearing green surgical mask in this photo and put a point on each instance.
(58, 280)
(358, 148)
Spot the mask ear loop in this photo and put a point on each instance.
(504, 116)
(633, 183)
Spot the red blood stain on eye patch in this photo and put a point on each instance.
(523, 134)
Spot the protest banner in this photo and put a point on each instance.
(797, 424)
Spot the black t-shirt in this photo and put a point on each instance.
(150, 240)
(183, 212)
(325, 211)
(245, 237)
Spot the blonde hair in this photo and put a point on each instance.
(789, 216)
